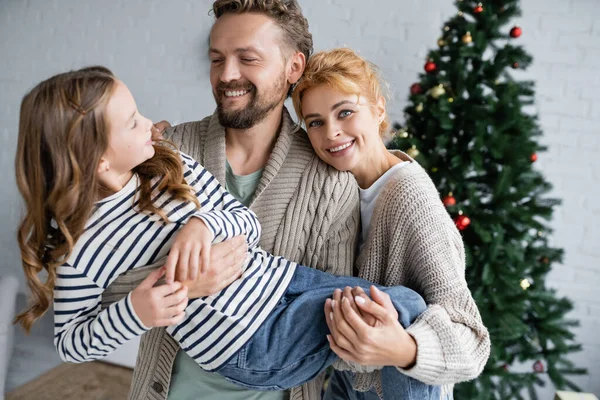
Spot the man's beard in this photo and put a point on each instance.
(259, 106)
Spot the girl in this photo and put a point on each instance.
(407, 237)
(102, 198)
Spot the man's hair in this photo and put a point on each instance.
(285, 13)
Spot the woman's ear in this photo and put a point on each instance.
(380, 107)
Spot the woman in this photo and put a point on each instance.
(407, 239)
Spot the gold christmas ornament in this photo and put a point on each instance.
(413, 152)
(441, 42)
(451, 100)
(460, 14)
(525, 284)
(403, 133)
(434, 169)
(467, 38)
(446, 28)
(419, 108)
(437, 91)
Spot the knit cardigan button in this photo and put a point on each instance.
(158, 387)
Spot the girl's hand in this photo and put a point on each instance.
(226, 265)
(384, 342)
(190, 252)
(162, 305)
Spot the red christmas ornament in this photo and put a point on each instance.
(416, 88)
(515, 32)
(478, 9)
(515, 65)
(430, 66)
(449, 200)
(462, 222)
(538, 366)
(533, 157)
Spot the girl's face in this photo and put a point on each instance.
(130, 140)
(342, 128)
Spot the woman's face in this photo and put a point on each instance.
(342, 128)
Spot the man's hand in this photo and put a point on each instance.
(159, 128)
(226, 265)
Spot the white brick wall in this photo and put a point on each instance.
(157, 48)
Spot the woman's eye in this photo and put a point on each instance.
(313, 124)
(345, 113)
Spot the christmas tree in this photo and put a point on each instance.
(467, 124)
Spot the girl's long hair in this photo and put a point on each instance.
(63, 133)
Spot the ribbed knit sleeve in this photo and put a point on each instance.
(453, 344)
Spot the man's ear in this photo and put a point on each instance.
(295, 66)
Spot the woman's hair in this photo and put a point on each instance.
(287, 14)
(344, 70)
(63, 133)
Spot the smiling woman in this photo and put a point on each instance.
(407, 239)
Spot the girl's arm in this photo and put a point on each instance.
(224, 216)
(83, 331)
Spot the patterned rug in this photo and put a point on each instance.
(88, 381)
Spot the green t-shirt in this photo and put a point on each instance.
(188, 380)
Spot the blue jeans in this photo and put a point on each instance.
(340, 387)
(291, 348)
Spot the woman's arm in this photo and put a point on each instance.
(453, 345)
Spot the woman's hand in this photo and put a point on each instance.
(375, 339)
(225, 266)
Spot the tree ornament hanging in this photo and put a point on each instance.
(467, 38)
(515, 65)
(478, 9)
(441, 42)
(419, 108)
(515, 32)
(462, 221)
(415, 89)
(449, 200)
(413, 152)
(533, 157)
(437, 91)
(430, 67)
(525, 284)
(538, 366)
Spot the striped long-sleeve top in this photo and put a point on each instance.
(118, 237)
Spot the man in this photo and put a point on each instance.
(309, 212)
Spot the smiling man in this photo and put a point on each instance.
(309, 212)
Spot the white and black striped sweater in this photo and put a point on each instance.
(119, 238)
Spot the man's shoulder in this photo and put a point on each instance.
(188, 127)
(189, 136)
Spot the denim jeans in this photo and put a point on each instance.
(291, 348)
(340, 388)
